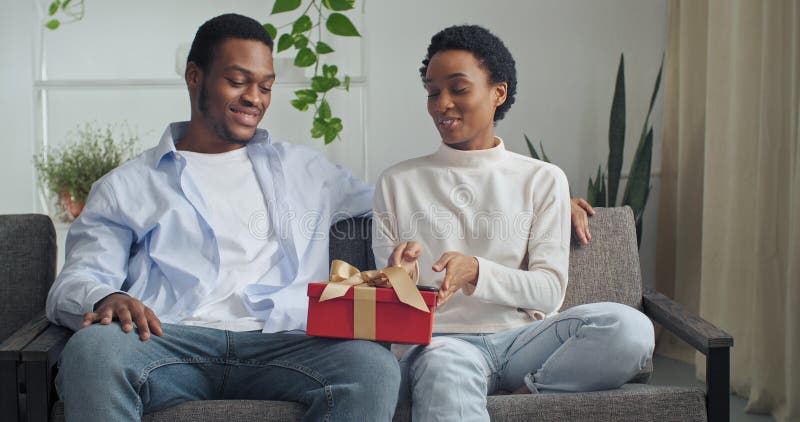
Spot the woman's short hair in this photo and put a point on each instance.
(487, 48)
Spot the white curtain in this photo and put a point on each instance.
(729, 219)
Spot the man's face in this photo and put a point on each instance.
(234, 92)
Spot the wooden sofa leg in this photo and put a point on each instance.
(718, 384)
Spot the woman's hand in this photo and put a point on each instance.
(405, 255)
(580, 211)
(460, 270)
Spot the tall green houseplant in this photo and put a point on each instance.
(603, 188)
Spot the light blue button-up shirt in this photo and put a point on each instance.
(145, 231)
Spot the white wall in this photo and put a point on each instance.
(16, 107)
(567, 53)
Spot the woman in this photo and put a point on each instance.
(491, 229)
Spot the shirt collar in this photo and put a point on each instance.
(175, 131)
(473, 158)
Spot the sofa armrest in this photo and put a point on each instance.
(691, 328)
(39, 358)
(703, 336)
(11, 369)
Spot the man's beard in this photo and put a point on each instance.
(219, 128)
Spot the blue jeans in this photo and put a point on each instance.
(108, 375)
(588, 347)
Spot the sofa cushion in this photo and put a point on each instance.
(631, 402)
(27, 268)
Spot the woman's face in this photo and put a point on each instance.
(462, 99)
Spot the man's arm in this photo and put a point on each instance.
(97, 250)
(350, 197)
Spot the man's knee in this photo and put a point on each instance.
(90, 343)
(372, 367)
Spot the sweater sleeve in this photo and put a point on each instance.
(543, 285)
(384, 225)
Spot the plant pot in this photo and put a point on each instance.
(72, 206)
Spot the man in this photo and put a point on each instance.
(186, 272)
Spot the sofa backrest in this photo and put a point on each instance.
(605, 270)
(27, 268)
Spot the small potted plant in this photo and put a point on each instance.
(69, 171)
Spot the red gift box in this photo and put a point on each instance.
(395, 322)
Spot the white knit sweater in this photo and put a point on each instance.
(510, 211)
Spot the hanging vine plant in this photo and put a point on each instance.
(304, 35)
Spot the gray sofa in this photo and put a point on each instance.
(605, 270)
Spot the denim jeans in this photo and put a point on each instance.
(588, 347)
(108, 375)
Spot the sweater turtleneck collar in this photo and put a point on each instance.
(458, 158)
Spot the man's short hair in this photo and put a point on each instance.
(487, 48)
(221, 28)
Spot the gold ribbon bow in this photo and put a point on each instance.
(343, 276)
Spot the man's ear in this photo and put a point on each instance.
(193, 76)
(500, 92)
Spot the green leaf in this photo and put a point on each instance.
(637, 189)
(334, 128)
(544, 156)
(53, 24)
(338, 5)
(591, 193)
(285, 42)
(65, 4)
(347, 83)
(302, 24)
(323, 84)
(319, 128)
(324, 110)
(271, 30)
(532, 150)
(285, 6)
(655, 88)
(305, 58)
(595, 193)
(300, 41)
(299, 104)
(337, 123)
(323, 48)
(330, 135)
(340, 24)
(54, 7)
(329, 71)
(308, 96)
(616, 134)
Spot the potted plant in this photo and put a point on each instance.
(69, 171)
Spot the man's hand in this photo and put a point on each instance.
(126, 310)
(580, 211)
(406, 255)
(460, 270)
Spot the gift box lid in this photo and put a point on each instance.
(382, 294)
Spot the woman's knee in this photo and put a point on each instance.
(631, 329)
(446, 358)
